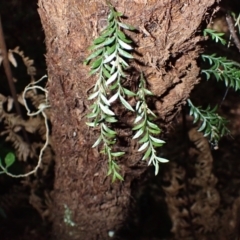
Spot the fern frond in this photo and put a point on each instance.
(212, 125)
(223, 69)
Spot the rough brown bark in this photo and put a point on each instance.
(167, 49)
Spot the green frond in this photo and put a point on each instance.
(223, 69)
(211, 124)
(108, 60)
(146, 129)
(217, 37)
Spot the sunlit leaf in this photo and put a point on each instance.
(124, 53)
(93, 95)
(97, 142)
(138, 133)
(106, 110)
(125, 26)
(144, 146)
(110, 58)
(124, 45)
(112, 78)
(114, 97)
(126, 104)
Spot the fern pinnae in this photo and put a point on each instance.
(146, 129)
(211, 124)
(108, 61)
(223, 69)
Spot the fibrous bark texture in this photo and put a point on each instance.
(86, 204)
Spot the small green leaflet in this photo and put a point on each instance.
(9, 159)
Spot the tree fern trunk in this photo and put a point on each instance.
(167, 49)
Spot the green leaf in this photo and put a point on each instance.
(111, 49)
(148, 92)
(96, 63)
(111, 15)
(145, 138)
(124, 45)
(114, 97)
(9, 159)
(156, 165)
(110, 119)
(112, 78)
(94, 71)
(97, 142)
(147, 154)
(162, 160)
(128, 92)
(109, 31)
(156, 140)
(106, 73)
(91, 124)
(125, 26)
(123, 37)
(203, 125)
(106, 110)
(92, 115)
(99, 40)
(139, 106)
(125, 103)
(94, 54)
(138, 133)
(157, 144)
(109, 41)
(154, 131)
(152, 125)
(140, 125)
(124, 63)
(93, 95)
(117, 176)
(144, 146)
(104, 99)
(110, 57)
(118, 14)
(108, 130)
(117, 154)
(124, 53)
(139, 117)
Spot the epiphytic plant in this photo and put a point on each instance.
(110, 51)
(214, 35)
(223, 70)
(109, 60)
(212, 125)
(146, 129)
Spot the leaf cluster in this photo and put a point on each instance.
(223, 69)
(216, 36)
(212, 125)
(111, 51)
(146, 129)
(109, 60)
